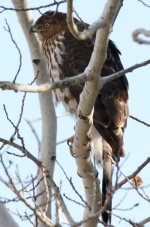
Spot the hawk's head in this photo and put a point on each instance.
(49, 25)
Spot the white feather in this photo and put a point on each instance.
(96, 145)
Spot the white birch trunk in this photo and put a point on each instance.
(48, 146)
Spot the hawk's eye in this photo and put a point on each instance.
(46, 25)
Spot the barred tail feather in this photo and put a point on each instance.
(107, 185)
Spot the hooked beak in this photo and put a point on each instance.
(32, 29)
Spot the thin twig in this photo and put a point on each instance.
(16, 127)
(42, 216)
(127, 209)
(125, 219)
(124, 71)
(145, 4)
(121, 200)
(127, 178)
(140, 121)
(18, 49)
(72, 185)
(22, 149)
(50, 182)
(35, 134)
(3, 8)
(62, 141)
(74, 201)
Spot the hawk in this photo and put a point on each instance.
(66, 56)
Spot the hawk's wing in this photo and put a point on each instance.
(111, 108)
(75, 59)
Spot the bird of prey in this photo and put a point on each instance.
(66, 56)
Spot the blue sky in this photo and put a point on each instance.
(137, 140)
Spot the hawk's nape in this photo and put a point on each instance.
(66, 57)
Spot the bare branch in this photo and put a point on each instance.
(74, 201)
(62, 141)
(72, 185)
(18, 49)
(138, 120)
(49, 180)
(16, 127)
(35, 134)
(120, 4)
(120, 184)
(23, 150)
(3, 8)
(116, 75)
(143, 222)
(74, 80)
(91, 30)
(86, 33)
(126, 220)
(144, 3)
(45, 87)
(61, 201)
(138, 32)
(41, 215)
